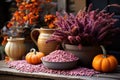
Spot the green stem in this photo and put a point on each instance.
(33, 50)
(104, 51)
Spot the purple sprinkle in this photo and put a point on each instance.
(60, 56)
(23, 66)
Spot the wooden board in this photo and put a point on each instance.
(12, 74)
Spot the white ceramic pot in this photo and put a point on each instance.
(15, 48)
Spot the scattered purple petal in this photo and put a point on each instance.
(23, 66)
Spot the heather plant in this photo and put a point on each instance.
(87, 27)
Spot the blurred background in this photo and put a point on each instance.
(7, 7)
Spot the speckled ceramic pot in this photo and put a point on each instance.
(85, 54)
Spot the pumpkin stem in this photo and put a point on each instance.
(104, 51)
(33, 50)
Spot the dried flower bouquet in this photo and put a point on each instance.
(87, 27)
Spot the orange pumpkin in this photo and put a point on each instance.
(104, 62)
(34, 57)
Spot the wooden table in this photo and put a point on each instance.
(12, 74)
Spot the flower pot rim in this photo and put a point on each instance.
(82, 46)
(14, 39)
(46, 29)
(76, 47)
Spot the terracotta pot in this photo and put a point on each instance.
(44, 35)
(86, 54)
(15, 48)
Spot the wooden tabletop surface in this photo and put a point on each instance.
(12, 74)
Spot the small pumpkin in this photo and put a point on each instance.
(104, 62)
(34, 57)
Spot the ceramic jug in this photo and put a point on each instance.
(44, 35)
